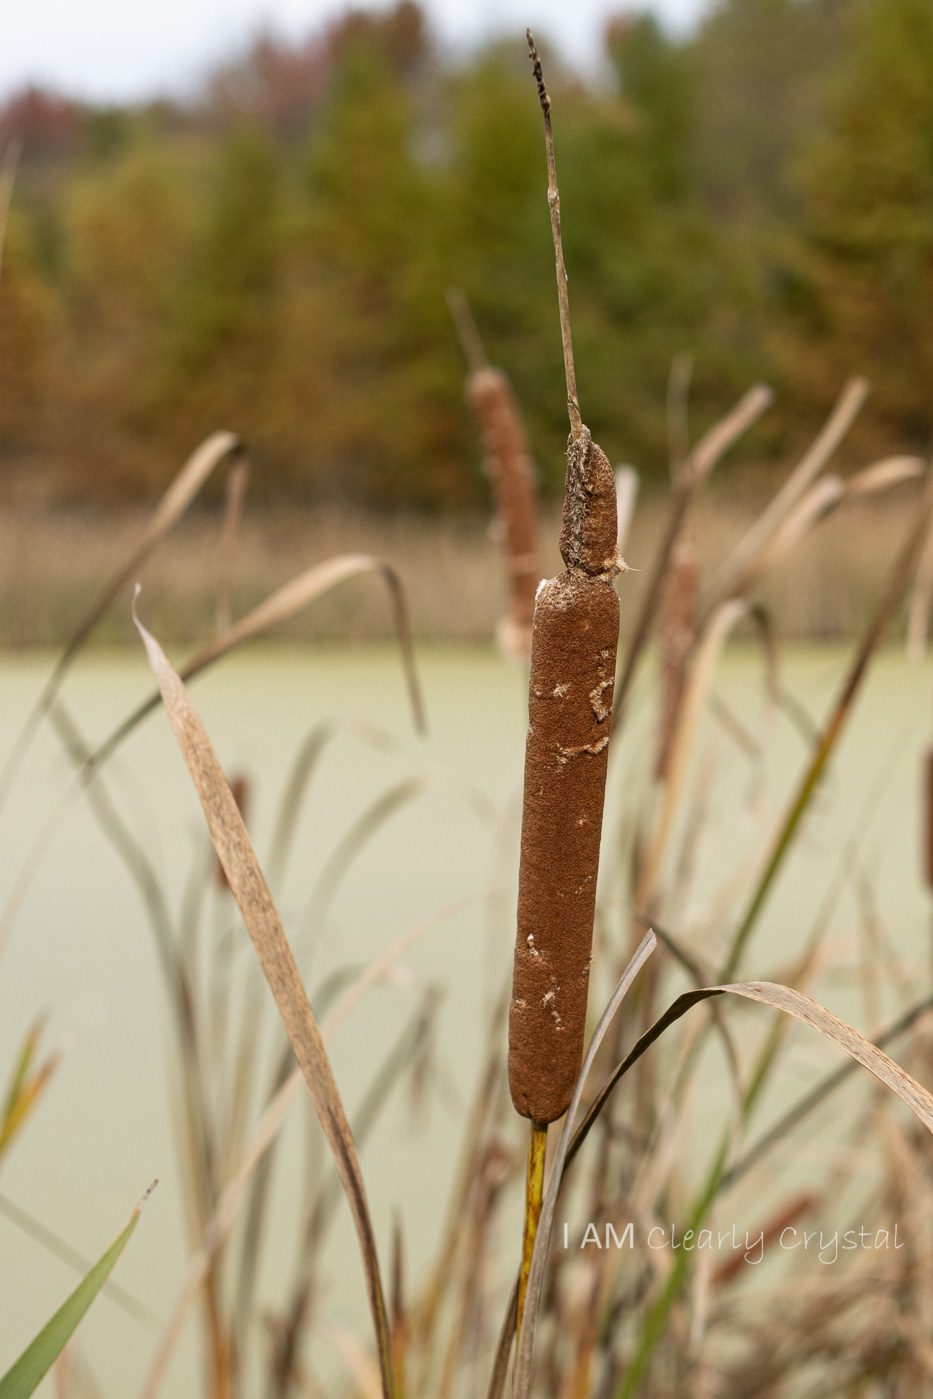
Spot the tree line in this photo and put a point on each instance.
(272, 254)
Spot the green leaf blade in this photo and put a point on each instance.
(26, 1373)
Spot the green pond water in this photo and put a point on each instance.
(81, 949)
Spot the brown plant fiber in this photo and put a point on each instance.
(573, 659)
(510, 472)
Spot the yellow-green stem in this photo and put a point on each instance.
(534, 1188)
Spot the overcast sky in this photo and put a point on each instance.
(115, 49)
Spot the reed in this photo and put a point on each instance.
(573, 654)
(679, 609)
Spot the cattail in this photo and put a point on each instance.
(509, 468)
(573, 660)
(510, 473)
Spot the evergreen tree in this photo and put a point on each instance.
(215, 357)
(863, 288)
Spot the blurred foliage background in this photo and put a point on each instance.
(272, 254)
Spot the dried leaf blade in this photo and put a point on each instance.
(248, 885)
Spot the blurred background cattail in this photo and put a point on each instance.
(511, 474)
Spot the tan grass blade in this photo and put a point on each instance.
(293, 597)
(795, 1003)
(173, 505)
(249, 888)
(270, 1123)
(399, 1061)
(884, 475)
(708, 451)
(521, 1384)
(724, 434)
(790, 1002)
(814, 506)
(279, 607)
(702, 672)
(823, 499)
(801, 1109)
(345, 1001)
(847, 409)
(898, 577)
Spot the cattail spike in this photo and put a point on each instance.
(589, 534)
(575, 634)
(510, 471)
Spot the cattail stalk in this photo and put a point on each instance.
(573, 656)
(534, 1190)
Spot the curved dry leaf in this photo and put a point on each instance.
(801, 1007)
(801, 1109)
(503, 1352)
(177, 498)
(702, 671)
(743, 556)
(884, 475)
(704, 457)
(714, 444)
(267, 1128)
(248, 885)
(823, 497)
(277, 608)
(779, 998)
(270, 1122)
(898, 576)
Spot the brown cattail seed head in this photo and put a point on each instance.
(589, 531)
(573, 657)
(509, 468)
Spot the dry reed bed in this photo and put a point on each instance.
(52, 561)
